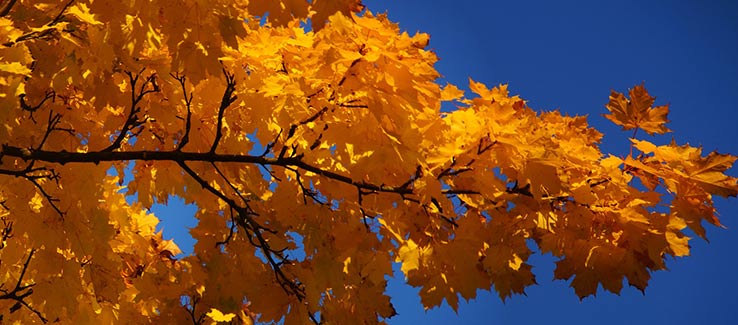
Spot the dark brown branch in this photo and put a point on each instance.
(600, 182)
(188, 103)
(294, 127)
(51, 126)
(196, 320)
(457, 191)
(20, 292)
(33, 175)
(451, 171)
(7, 231)
(270, 145)
(440, 214)
(250, 226)
(314, 116)
(58, 17)
(227, 100)
(306, 191)
(231, 230)
(418, 174)
(133, 120)
(64, 157)
(6, 8)
(233, 187)
(516, 189)
(454, 172)
(353, 105)
(33, 108)
(52, 201)
(485, 144)
(43, 33)
(206, 185)
(364, 215)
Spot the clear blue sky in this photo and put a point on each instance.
(568, 55)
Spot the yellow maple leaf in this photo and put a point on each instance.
(82, 12)
(219, 317)
(15, 67)
(707, 172)
(637, 112)
(36, 203)
(410, 254)
(325, 8)
(451, 92)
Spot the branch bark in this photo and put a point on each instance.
(66, 157)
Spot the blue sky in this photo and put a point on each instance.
(568, 55)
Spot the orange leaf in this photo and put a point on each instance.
(637, 112)
(708, 173)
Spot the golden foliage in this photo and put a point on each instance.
(316, 159)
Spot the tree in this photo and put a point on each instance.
(317, 156)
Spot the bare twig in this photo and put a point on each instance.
(231, 230)
(230, 184)
(364, 215)
(21, 291)
(33, 175)
(188, 103)
(306, 191)
(58, 17)
(51, 126)
(485, 144)
(33, 108)
(270, 145)
(43, 33)
(196, 320)
(275, 258)
(6, 233)
(227, 100)
(133, 120)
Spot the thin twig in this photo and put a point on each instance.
(20, 292)
(227, 100)
(133, 121)
(188, 103)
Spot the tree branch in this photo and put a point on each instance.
(133, 120)
(65, 157)
(20, 292)
(227, 100)
(188, 103)
(6, 8)
(275, 258)
(43, 33)
(33, 108)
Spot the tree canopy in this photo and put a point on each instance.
(318, 147)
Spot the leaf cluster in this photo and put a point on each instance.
(316, 156)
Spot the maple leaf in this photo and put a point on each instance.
(685, 161)
(82, 12)
(36, 203)
(219, 317)
(709, 173)
(637, 112)
(14, 67)
(326, 8)
(451, 92)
